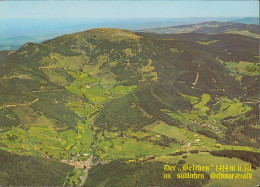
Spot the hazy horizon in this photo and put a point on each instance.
(36, 21)
(16, 32)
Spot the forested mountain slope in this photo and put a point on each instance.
(105, 94)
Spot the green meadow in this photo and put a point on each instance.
(132, 144)
(207, 117)
(191, 140)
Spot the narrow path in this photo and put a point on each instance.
(33, 148)
(39, 91)
(196, 79)
(17, 76)
(185, 145)
(67, 177)
(46, 67)
(252, 101)
(25, 104)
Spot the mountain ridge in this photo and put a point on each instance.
(210, 27)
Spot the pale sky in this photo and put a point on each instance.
(127, 9)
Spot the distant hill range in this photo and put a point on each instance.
(249, 20)
(212, 27)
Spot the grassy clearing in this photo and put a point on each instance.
(193, 99)
(130, 148)
(245, 32)
(122, 90)
(114, 34)
(205, 98)
(227, 108)
(132, 144)
(37, 140)
(243, 68)
(95, 95)
(65, 62)
(170, 131)
(207, 43)
(191, 140)
(174, 50)
(77, 142)
(207, 117)
(43, 141)
(90, 88)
